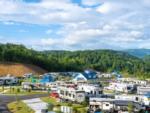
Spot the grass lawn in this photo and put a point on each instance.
(17, 90)
(25, 92)
(19, 107)
(109, 91)
(53, 101)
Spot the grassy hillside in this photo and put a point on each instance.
(19, 69)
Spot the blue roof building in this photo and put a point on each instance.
(46, 78)
(85, 76)
(89, 74)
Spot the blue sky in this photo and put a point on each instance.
(76, 24)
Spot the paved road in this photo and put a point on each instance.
(4, 100)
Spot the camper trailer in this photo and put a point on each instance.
(8, 80)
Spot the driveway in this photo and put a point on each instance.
(5, 99)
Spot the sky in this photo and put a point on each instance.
(76, 24)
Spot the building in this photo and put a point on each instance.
(27, 85)
(143, 90)
(133, 81)
(79, 78)
(54, 95)
(28, 75)
(112, 104)
(47, 78)
(8, 80)
(87, 75)
(91, 90)
(105, 75)
(121, 87)
(71, 94)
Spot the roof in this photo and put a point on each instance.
(90, 76)
(47, 78)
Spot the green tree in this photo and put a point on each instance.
(50, 107)
(130, 107)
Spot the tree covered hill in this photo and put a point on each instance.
(101, 60)
(147, 61)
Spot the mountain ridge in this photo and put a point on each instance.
(141, 53)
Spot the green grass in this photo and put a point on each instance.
(53, 101)
(17, 90)
(109, 91)
(19, 107)
(24, 93)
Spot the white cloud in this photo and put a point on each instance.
(105, 8)
(113, 24)
(45, 12)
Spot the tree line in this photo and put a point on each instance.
(100, 60)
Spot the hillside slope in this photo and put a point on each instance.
(19, 69)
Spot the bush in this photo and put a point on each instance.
(18, 90)
(50, 107)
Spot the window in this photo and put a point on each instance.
(69, 95)
(136, 98)
(107, 104)
(73, 96)
(91, 92)
(100, 92)
(94, 92)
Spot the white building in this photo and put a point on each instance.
(117, 103)
(105, 75)
(120, 87)
(91, 90)
(143, 90)
(8, 80)
(71, 94)
(133, 80)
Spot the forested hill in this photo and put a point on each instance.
(101, 60)
(147, 61)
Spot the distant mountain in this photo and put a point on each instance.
(141, 53)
